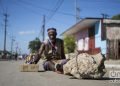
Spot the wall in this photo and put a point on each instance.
(113, 32)
(113, 41)
(98, 41)
(82, 40)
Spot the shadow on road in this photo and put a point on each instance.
(104, 78)
(41, 71)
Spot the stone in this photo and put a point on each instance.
(29, 68)
(85, 66)
(70, 55)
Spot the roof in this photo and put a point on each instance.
(87, 22)
(109, 21)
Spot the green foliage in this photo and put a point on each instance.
(69, 44)
(34, 45)
(116, 17)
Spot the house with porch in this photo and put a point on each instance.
(94, 35)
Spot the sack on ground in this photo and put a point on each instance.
(86, 66)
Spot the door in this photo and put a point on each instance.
(91, 34)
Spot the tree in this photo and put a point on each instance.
(116, 17)
(34, 45)
(69, 44)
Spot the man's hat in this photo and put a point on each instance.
(49, 30)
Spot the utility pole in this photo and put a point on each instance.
(16, 47)
(104, 16)
(12, 41)
(20, 51)
(77, 11)
(16, 54)
(6, 16)
(43, 28)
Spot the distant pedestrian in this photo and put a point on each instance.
(16, 55)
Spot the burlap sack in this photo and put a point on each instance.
(85, 66)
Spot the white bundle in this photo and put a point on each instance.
(85, 66)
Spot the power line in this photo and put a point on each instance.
(101, 1)
(29, 9)
(59, 3)
(33, 5)
(42, 8)
(55, 10)
(57, 6)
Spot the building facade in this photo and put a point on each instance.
(93, 35)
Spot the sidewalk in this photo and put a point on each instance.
(112, 64)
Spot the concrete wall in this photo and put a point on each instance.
(113, 32)
(98, 41)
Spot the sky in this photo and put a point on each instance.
(25, 18)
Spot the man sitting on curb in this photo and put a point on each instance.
(53, 49)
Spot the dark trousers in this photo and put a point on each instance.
(50, 65)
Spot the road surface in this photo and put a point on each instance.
(10, 75)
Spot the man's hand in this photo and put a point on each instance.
(36, 59)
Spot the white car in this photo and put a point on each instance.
(20, 57)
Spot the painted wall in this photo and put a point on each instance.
(82, 40)
(98, 41)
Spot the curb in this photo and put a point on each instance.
(112, 66)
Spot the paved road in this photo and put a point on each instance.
(11, 76)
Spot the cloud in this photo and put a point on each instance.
(27, 32)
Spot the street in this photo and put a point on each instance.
(10, 75)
